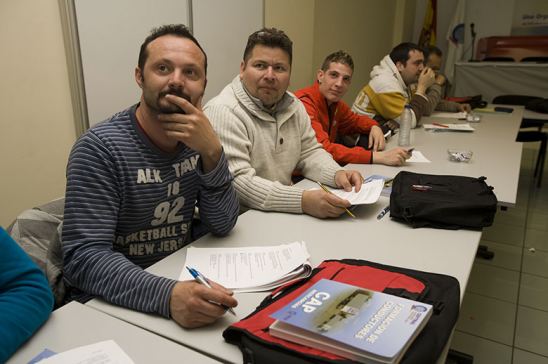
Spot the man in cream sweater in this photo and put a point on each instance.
(266, 135)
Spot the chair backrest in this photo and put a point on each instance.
(538, 105)
(535, 59)
(498, 59)
(514, 99)
(38, 232)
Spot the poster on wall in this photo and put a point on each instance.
(530, 17)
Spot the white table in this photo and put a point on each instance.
(497, 155)
(384, 241)
(76, 325)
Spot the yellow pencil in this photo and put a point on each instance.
(328, 191)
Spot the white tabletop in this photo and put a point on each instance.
(76, 325)
(383, 241)
(497, 155)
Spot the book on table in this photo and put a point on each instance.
(352, 322)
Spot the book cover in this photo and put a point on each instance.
(352, 322)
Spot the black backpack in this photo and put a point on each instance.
(251, 334)
(442, 201)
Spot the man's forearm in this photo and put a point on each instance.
(113, 277)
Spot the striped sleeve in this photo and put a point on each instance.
(433, 95)
(387, 104)
(91, 214)
(218, 203)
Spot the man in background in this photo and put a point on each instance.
(332, 119)
(437, 95)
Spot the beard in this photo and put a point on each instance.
(159, 104)
(171, 108)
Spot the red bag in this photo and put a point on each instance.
(258, 346)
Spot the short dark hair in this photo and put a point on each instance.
(178, 30)
(400, 53)
(432, 50)
(338, 57)
(269, 37)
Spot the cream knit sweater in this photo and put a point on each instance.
(263, 150)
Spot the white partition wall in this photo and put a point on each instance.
(103, 37)
(222, 28)
(110, 34)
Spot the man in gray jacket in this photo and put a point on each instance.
(266, 135)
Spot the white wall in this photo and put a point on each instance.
(490, 18)
(363, 28)
(36, 122)
(298, 24)
(110, 34)
(223, 35)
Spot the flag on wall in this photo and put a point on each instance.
(455, 39)
(428, 32)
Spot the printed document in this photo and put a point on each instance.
(250, 269)
(369, 193)
(418, 157)
(449, 127)
(104, 352)
(449, 115)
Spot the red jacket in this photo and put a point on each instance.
(343, 122)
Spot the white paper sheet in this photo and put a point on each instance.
(387, 189)
(249, 269)
(369, 193)
(449, 127)
(449, 115)
(417, 157)
(104, 352)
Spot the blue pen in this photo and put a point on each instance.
(200, 278)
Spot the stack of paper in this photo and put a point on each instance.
(104, 352)
(250, 269)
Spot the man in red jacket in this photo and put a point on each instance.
(332, 118)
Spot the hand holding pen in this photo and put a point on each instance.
(200, 278)
(194, 305)
(348, 212)
(322, 204)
